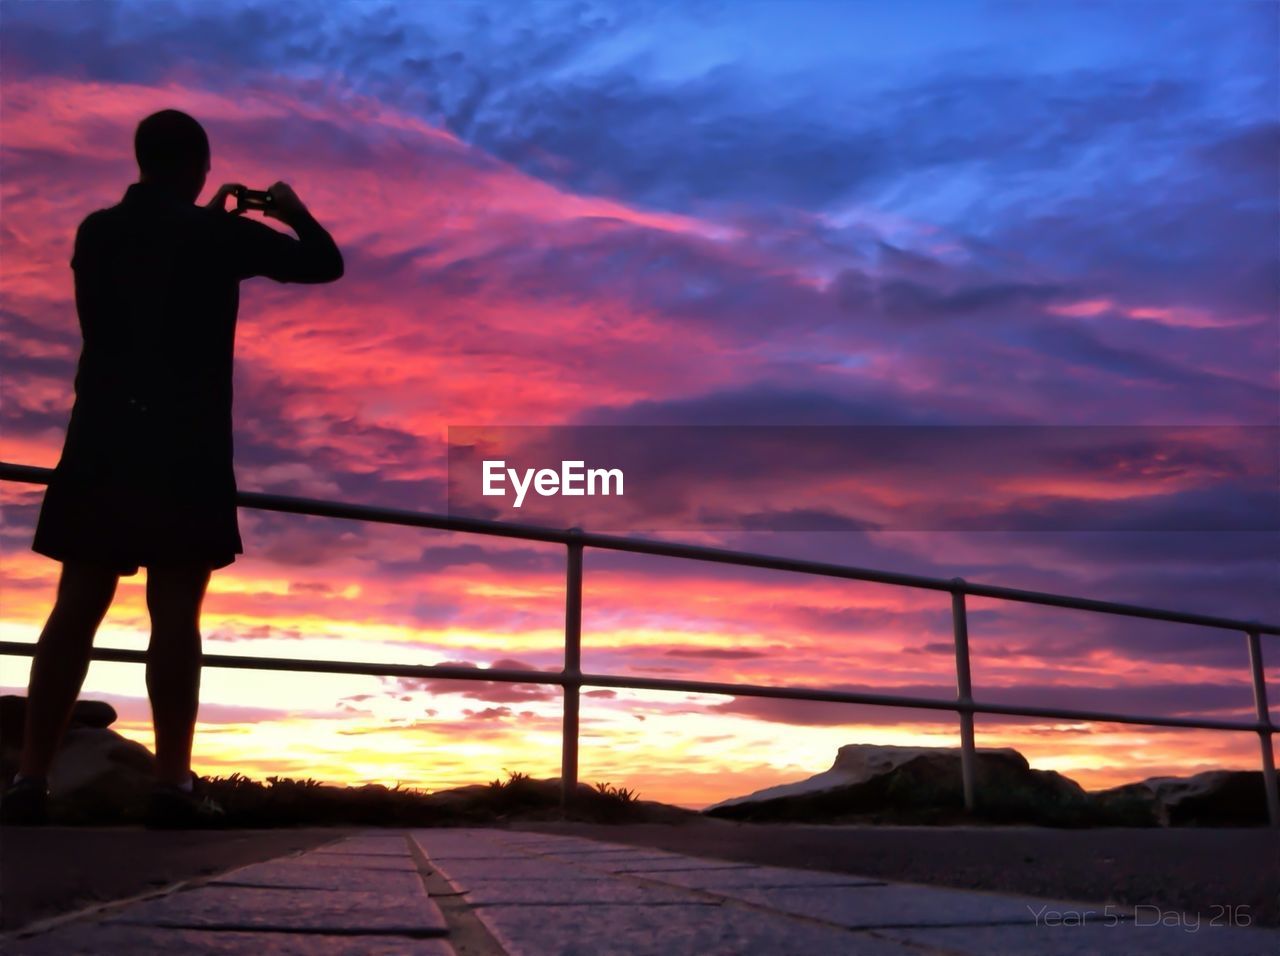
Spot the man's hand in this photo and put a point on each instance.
(285, 205)
(219, 200)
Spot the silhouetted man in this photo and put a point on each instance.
(145, 478)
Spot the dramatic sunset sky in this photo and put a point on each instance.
(690, 213)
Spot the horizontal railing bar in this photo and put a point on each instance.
(303, 665)
(332, 509)
(897, 700)
(507, 675)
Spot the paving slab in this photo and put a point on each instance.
(506, 868)
(479, 833)
(458, 841)
(611, 858)
(477, 856)
(674, 930)
(363, 895)
(685, 863)
(746, 876)
(536, 903)
(875, 905)
(351, 910)
(360, 851)
(576, 897)
(1091, 939)
(94, 939)
(306, 877)
(636, 865)
(566, 848)
(602, 848)
(571, 904)
(477, 848)
(1024, 929)
(352, 861)
(573, 892)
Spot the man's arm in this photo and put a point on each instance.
(259, 250)
(86, 269)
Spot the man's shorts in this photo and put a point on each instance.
(127, 527)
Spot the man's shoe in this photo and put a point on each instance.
(25, 803)
(172, 808)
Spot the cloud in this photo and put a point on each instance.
(493, 691)
(1186, 699)
(715, 653)
(489, 713)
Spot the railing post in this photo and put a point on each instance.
(1265, 728)
(964, 692)
(573, 675)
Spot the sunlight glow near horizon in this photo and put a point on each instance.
(411, 738)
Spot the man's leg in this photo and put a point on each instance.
(174, 596)
(62, 660)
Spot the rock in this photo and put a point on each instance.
(1211, 798)
(854, 764)
(85, 713)
(458, 797)
(922, 785)
(96, 774)
(100, 775)
(869, 783)
(93, 713)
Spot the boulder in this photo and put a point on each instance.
(93, 713)
(883, 784)
(1213, 798)
(84, 713)
(99, 775)
(854, 764)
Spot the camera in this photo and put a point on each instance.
(247, 199)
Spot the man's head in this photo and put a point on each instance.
(173, 151)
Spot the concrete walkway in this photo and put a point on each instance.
(489, 892)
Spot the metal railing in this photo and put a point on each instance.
(572, 679)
